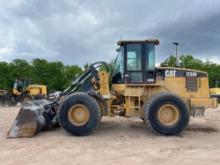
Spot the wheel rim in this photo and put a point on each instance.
(78, 115)
(168, 115)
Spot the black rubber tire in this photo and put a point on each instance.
(152, 108)
(39, 97)
(2, 100)
(94, 111)
(101, 107)
(102, 104)
(26, 96)
(11, 102)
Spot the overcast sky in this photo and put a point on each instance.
(80, 31)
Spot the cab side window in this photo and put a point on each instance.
(151, 57)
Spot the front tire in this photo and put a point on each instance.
(79, 114)
(167, 114)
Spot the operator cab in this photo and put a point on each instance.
(135, 63)
(21, 84)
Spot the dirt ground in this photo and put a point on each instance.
(116, 141)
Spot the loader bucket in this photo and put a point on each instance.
(29, 121)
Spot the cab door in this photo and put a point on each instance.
(134, 63)
(139, 63)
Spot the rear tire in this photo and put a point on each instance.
(79, 114)
(167, 114)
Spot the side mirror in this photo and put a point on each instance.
(117, 49)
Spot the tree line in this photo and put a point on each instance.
(55, 75)
(58, 76)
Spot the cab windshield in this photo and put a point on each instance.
(118, 72)
(119, 62)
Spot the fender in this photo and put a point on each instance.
(101, 100)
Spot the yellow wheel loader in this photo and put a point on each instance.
(23, 91)
(215, 93)
(163, 97)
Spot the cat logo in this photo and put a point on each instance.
(170, 73)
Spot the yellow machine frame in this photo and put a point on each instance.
(136, 95)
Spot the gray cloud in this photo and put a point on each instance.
(77, 31)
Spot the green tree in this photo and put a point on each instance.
(55, 75)
(21, 69)
(71, 73)
(171, 61)
(5, 75)
(49, 73)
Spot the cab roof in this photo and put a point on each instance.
(153, 41)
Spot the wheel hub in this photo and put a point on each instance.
(78, 115)
(168, 115)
